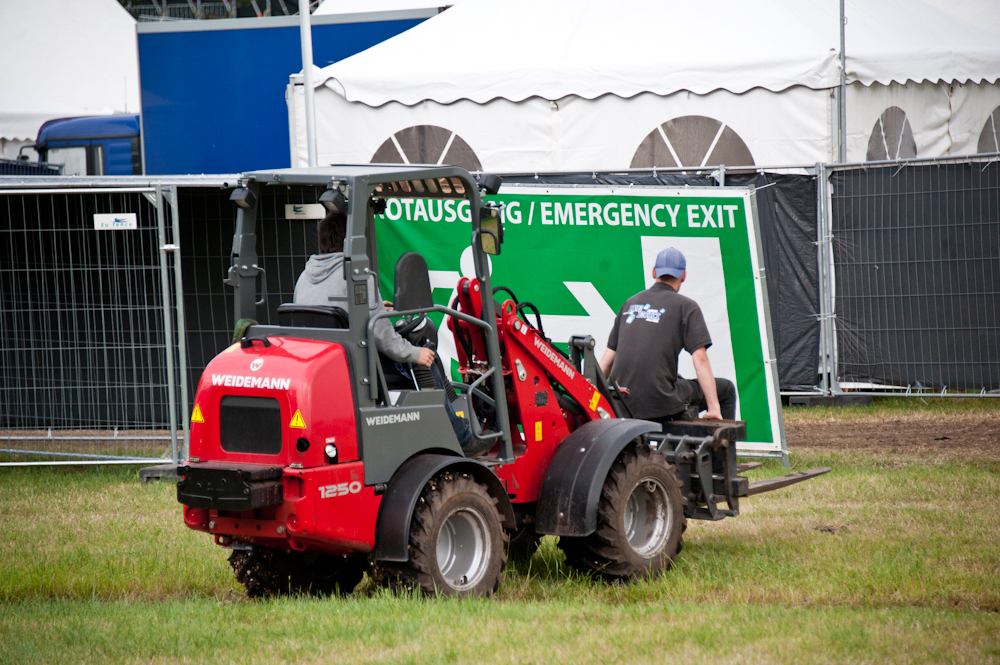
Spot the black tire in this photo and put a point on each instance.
(265, 572)
(457, 545)
(640, 520)
(523, 543)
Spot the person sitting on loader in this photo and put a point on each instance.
(322, 282)
(649, 332)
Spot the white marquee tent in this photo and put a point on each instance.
(523, 85)
(63, 58)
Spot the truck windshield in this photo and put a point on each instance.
(76, 161)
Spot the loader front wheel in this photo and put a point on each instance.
(266, 572)
(457, 545)
(640, 520)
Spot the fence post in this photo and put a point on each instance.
(831, 305)
(167, 323)
(821, 267)
(181, 327)
(825, 279)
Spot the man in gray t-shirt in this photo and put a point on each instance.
(651, 329)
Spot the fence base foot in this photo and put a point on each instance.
(159, 472)
(830, 400)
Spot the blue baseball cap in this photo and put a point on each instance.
(670, 262)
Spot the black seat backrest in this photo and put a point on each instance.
(413, 283)
(312, 316)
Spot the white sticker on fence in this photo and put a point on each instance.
(124, 220)
(304, 211)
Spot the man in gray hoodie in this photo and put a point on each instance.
(323, 283)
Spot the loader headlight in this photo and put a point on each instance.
(331, 451)
(334, 201)
(243, 197)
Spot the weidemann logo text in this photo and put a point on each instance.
(407, 417)
(238, 381)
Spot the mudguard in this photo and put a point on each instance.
(392, 530)
(571, 490)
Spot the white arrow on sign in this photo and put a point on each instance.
(599, 320)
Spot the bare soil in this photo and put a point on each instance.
(972, 435)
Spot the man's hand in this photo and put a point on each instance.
(387, 305)
(714, 414)
(426, 357)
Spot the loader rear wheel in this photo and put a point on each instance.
(640, 520)
(267, 572)
(457, 545)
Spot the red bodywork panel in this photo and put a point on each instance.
(306, 376)
(326, 507)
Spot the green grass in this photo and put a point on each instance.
(886, 559)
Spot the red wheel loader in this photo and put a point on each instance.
(315, 461)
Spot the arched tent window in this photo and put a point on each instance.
(427, 144)
(692, 140)
(988, 139)
(891, 137)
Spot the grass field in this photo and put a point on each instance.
(893, 557)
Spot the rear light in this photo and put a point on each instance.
(293, 522)
(196, 517)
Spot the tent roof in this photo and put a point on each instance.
(516, 49)
(363, 6)
(63, 59)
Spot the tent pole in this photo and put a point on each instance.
(305, 36)
(843, 87)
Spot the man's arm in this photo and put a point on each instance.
(606, 361)
(389, 342)
(707, 382)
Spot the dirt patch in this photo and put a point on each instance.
(962, 434)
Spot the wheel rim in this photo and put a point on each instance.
(463, 548)
(648, 516)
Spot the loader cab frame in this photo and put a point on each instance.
(358, 191)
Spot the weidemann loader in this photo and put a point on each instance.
(315, 460)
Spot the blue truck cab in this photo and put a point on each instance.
(94, 145)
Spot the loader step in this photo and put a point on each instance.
(159, 472)
(772, 484)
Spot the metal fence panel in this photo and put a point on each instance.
(917, 275)
(207, 223)
(23, 167)
(82, 328)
